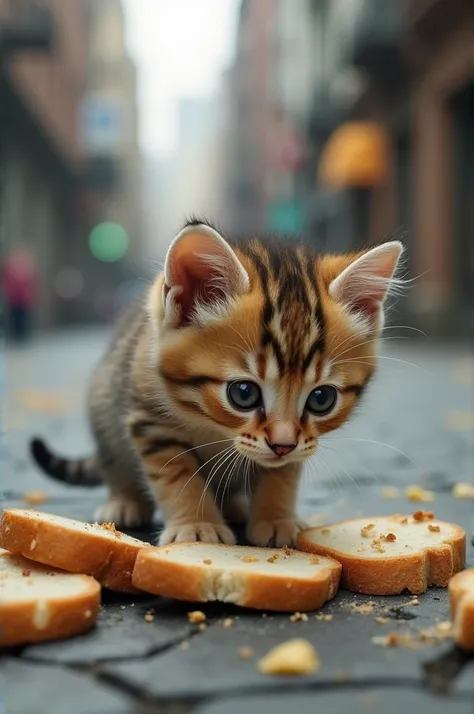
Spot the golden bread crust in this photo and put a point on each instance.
(461, 598)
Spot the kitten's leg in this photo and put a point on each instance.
(189, 511)
(130, 503)
(272, 512)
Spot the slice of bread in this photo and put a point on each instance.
(98, 550)
(389, 554)
(461, 598)
(39, 603)
(262, 578)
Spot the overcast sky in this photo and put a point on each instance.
(180, 48)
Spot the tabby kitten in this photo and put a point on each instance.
(222, 379)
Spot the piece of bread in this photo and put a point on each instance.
(39, 603)
(262, 578)
(461, 598)
(98, 550)
(386, 555)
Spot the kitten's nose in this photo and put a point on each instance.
(281, 449)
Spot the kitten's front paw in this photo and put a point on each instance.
(192, 532)
(125, 513)
(275, 534)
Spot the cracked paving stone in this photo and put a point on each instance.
(30, 689)
(212, 666)
(122, 633)
(386, 700)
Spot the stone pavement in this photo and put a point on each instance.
(415, 427)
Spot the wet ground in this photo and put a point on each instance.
(416, 426)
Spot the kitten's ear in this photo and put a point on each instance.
(363, 285)
(201, 275)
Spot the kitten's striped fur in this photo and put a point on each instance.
(268, 313)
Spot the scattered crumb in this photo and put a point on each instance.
(33, 544)
(326, 531)
(314, 560)
(249, 559)
(184, 645)
(463, 490)
(416, 493)
(412, 603)
(287, 550)
(390, 537)
(111, 528)
(365, 608)
(207, 561)
(390, 492)
(433, 529)
(295, 657)
(415, 640)
(323, 618)
(273, 558)
(26, 572)
(381, 620)
(404, 521)
(34, 498)
(196, 616)
(365, 531)
(228, 622)
(297, 616)
(377, 546)
(245, 653)
(421, 516)
(202, 626)
(444, 627)
(149, 616)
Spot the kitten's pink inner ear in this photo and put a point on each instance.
(363, 285)
(205, 268)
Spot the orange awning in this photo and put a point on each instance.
(356, 155)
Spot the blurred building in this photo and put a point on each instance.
(43, 75)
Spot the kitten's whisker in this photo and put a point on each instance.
(198, 470)
(225, 475)
(199, 446)
(251, 349)
(373, 441)
(368, 342)
(363, 360)
(324, 446)
(235, 465)
(225, 454)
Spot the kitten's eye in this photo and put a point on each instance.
(321, 400)
(244, 395)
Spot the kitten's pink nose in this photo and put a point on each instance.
(281, 449)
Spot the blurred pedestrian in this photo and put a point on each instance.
(20, 292)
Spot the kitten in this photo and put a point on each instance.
(222, 379)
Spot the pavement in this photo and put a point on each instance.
(415, 427)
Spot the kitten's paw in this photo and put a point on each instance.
(275, 534)
(192, 532)
(125, 513)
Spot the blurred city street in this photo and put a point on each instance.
(414, 428)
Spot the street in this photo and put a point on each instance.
(415, 427)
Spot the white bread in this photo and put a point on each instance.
(262, 578)
(461, 598)
(97, 550)
(39, 603)
(424, 552)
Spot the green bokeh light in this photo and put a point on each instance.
(108, 242)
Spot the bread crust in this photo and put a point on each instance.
(47, 539)
(73, 614)
(461, 599)
(263, 591)
(391, 575)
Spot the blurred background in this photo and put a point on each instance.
(338, 121)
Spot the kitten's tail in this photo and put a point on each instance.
(75, 472)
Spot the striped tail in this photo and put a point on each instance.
(75, 472)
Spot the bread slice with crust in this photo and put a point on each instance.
(38, 603)
(386, 555)
(261, 578)
(461, 599)
(98, 550)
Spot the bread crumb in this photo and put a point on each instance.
(184, 645)
(390, 537)
(35, 498)
(412, 603)
(196, 616)
(365, 608)
(433, 529)
(273, 558)
(33, 544)
(444, 627)
(323, 618)
(381, 620)
(149, 616)
(208, 561)
(295, 657)
(463, 490)
(365, 531)
(202, 626)
(390, 492)
(26, 572)
(245, 653)
(297, 616)
(111, 528)
(404, 521)
(228, 622)
(421, 516)
(377, 546)
(416, 493)
(325, 531)
(250, 559)
(314, 560)
(287, 550)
